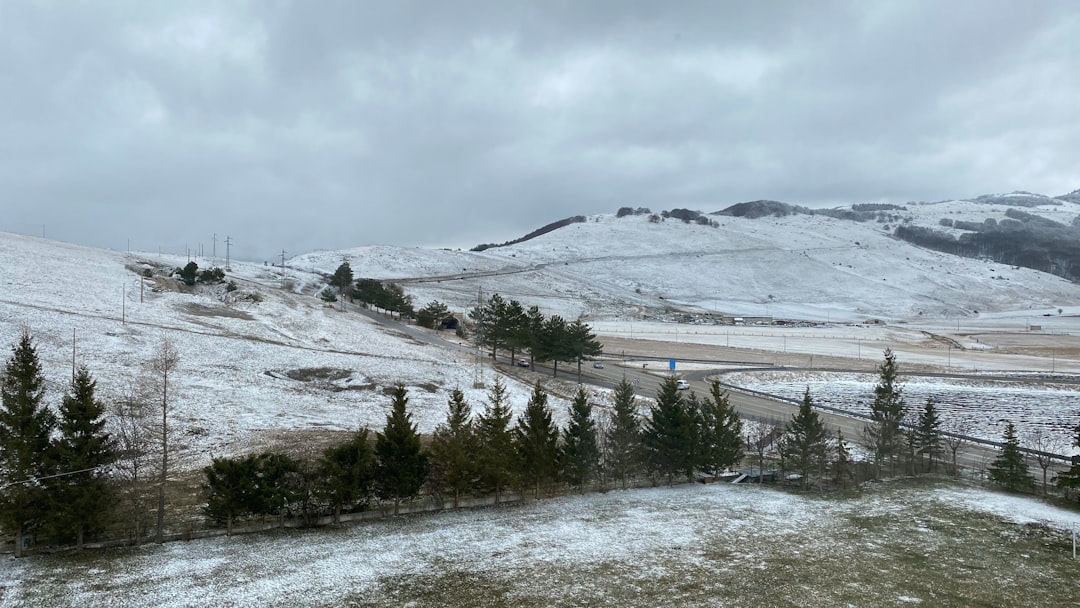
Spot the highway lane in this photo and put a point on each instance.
(647, 380)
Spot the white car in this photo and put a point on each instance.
(682, 385)
(523, 363)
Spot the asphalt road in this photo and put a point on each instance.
(647, 382)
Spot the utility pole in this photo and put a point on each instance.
(283, 269)
(228, 243)
(213, 250)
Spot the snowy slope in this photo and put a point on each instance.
(793, 267)
(239, 355)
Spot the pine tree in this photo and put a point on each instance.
(533, 328)
(1009, 470)
(887, 412)
(582, 343)
(401, 463)
(806, 439)
(454, 447)
(25, 427)
(624, 456)
(580, 454)
(928, 433)
(721, 431)
(514, 324)
(343, 277)
(668, 434)
(555, 343)
(276, 483)
(347, 471)
(81, 496)
(231, 488)
(495, 453)
(536, 440)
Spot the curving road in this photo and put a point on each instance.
(976, 454)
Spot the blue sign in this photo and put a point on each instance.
(671, 364)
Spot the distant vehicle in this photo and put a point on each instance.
(522, 363)
(682, 385)
(598, 365)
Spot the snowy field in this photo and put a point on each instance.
(691, 545)
(978, 408)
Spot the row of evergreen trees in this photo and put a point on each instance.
(60, 470)
(499, 324)
(506, 325)
(487, 453)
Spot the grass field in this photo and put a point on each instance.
(902, 543)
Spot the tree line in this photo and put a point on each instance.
(507, 326)
(66, 475)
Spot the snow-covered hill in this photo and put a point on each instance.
(271, 357)
(254, 363)
(798, 267)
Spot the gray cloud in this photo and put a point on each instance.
(304, 125)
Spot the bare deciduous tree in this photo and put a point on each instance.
(1045, 446)
(164, 362)
(130, 427)
(956, 437)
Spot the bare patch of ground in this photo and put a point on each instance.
(202, 310)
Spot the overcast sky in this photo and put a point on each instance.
(322, 125)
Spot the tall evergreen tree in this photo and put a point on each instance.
(555, 345)
(928, 433)
(583, 343)
(495, 453)
(491, 323)
(401, 463)
(342, 278)
(579, 455)
(806, 439)
(515, 327)
(668, 434)
(536, 440)
(454, 447)
(1009, 470)
(721, 431)
(533, 328)
(884, 434)
(625, 455)
(81, 494)
(347, 473)
(25, 427)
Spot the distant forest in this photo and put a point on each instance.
(1022, 239)
(577, 219)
